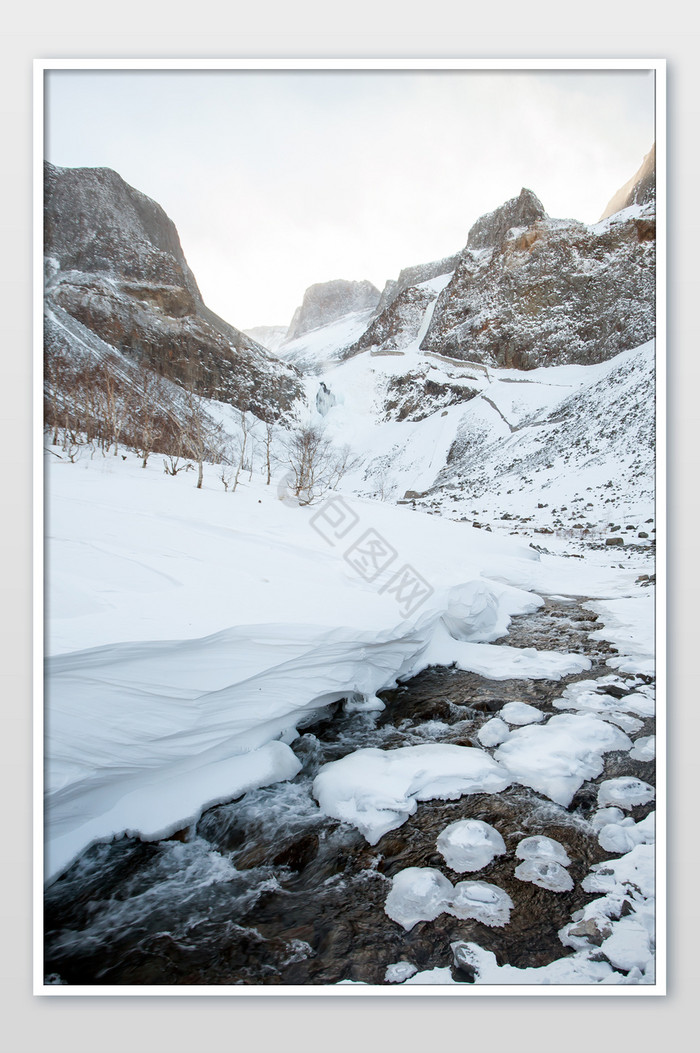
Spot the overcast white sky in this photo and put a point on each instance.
(277, 180)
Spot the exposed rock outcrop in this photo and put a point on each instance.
(328, 301)
(490, 230)
(533, 291)
(114, 262)
(639, 190)
(401, 315)
(411, 276)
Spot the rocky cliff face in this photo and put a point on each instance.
(639, 190)
(401, 312)
(534, 291)
(115, 264)
(326, 302)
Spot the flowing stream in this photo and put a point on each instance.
(268, 890)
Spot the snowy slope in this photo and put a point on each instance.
(214, 622)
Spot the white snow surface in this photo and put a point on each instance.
(556, 758)
(377, 790)
(189, 628)
(521, 713)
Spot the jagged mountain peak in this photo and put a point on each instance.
(520, 211)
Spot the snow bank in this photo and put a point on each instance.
(232, 604)
(628, 624)
(556, 758)
(483, 967)
(377, 790)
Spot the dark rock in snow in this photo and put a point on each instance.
(490, 231)
(115, 264)
(533, 291)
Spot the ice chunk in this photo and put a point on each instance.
(470, 844)
(545, 873)
(606, 815)
(625, 792)
(399, 971)
(418, 894)
(622, 836)
(376, 790)
(521, 713)
(423, 893)
(544, 848)
(556, 758)
(359, 703)
(644, 749)
(481, 901)
(493, 732)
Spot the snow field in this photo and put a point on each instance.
(211, 622)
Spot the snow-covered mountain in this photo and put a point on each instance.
(269, 691)
(533, 291)
(269, 336)
(114, 264)
(328, 301)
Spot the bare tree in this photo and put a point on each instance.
(146, 392)
(269, 436)
(316, 465)
(243, 445)
(116, 408)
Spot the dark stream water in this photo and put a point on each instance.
(267, 890)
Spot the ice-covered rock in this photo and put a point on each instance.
(481, 901)
(556, 758)
(625, 792)
(376, 790)
(493, 732)
(423, 893)
(521, 713)
(469, 844)
(325, 399)
(418, 894)
(622, 836)
(399, 971)
(644, 748)
(545, 873)
(604, 816)
(541, 847)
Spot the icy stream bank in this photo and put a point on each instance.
(270, 890)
